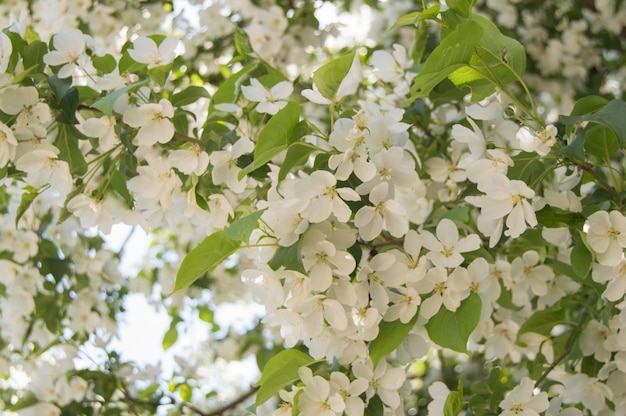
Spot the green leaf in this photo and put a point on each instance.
(581, 259)
(241, 228)
(454, 402)
(452, 329)
(127, 64)
(329, 76)
(67, 142)
(189, 95)
(27, 400)
(275, 136)
(374, 407)
(105, 64)
(390, 335)
(613, 116)
(242, 42)
(458, 214)
(288, 257)
(600, 141)
(461, 7)
(280, 371)
(159, 74)
(414, 18)
(228, 92)
(297, 155)
(170, 338)
(33, 55)
(527, 167)
(25, 202)
(575, 150)
(105, 104)
(454, 52)
(500, 57)
(552, 217)
(588, 104)
(205, 257)
(542, 322)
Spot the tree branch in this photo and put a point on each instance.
(228, 406)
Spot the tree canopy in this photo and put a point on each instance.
(427, 198)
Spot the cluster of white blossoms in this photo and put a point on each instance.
(381, 233)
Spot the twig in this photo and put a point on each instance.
(228, 406)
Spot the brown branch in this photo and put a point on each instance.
(228, 406)
(600, 180)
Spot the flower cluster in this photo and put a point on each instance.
(437, 213)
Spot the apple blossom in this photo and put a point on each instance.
(270, 101)
(146, 51)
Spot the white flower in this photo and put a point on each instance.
(324, 198)
(270, 101)
(504, 197)
(225, 169)
(446, 290)
(445, 250)
(607, 236)
(615, 276)
(386, 213)
(104, 129)
(8, 144)
(316, 398)
(384, 381)
(591, 392)
(349, 391)
(522, 401)
(6, 49)
(146, 51)
(190, 160)
(439, 392)
(537, 141)
(69, 51)
(91, 212)
(153, 121)
(42, 168)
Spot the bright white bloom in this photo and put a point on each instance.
(43, 167)
(439, 392)
(270, 101)
(8, 144)
(537, 141)
(190, 160)
(155, 182)
(504, 197)
(104, 129)
(389, 67)
(146, 51)
(527, 274)
(6, 49)
(321, 259)
(153, 121)
(225, 169)
(324, 198)
(349, 392)
(316, 398)
(593, 341)
(445, 249)
(69, 51)
(446, 290)
(386, 213)
(384, 381)
(615, 276)
(501, 341)
(591, 392)
(91, 212)
(522, 401)
(607, 236)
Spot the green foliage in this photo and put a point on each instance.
(288, 257)
(452, 329)
(105, 104)
(241, 228)
(205, 257)
(390, 336)
(189, 95)
(280, 371)
(328, 77)
(611, 116)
